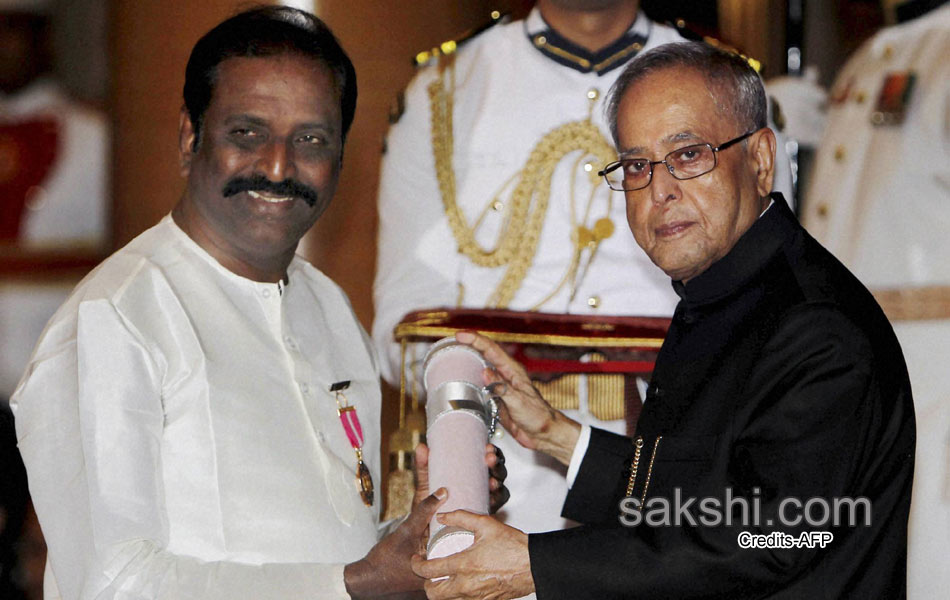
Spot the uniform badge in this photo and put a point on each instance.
(892, 102)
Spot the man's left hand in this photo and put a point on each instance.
(495, 567)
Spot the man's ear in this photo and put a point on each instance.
(762, 146)
(186, 142)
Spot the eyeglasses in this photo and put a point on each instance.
(629, 174)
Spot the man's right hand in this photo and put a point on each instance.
(386, 570)
(533, 422)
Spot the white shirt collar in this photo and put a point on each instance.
(252, 285)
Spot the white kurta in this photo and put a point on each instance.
(880, 201)
(508, 96)
(179, 433)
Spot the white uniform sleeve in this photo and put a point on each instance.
(89, 419)
(410, 207)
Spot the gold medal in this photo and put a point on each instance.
(354, 432)
(365, 481)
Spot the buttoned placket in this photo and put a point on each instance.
(300, 367)
(314, 395)
(270, 296)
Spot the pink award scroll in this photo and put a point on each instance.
(458, 415)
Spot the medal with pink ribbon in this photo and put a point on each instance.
(354, 432)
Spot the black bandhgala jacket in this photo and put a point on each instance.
(780, 378)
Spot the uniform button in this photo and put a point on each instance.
(593, 93)
(265, 293)
(860, 97)
(448, 47)
(497, 205)
(540, 40)
(321, 437)
(839, 153)
(593, 301)
(290, 342)
(305, 388)
(822, 210)
(888, 52)
(588, 167)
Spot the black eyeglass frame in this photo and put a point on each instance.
(617, 164)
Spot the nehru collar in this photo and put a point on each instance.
(752, 252)
(559, 49)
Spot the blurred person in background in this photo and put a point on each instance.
(53, 196)
(54, 152)
(880, 201)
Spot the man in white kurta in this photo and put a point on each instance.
(188, 442)
(526, 114)
(177, 421)
(880, 201)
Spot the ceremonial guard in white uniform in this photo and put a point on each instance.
(880, 201)
(490, 198)
(53, 185)
(67, 206)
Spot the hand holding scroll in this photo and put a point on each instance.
(496, 566)
(533, 422)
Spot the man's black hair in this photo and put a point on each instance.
(260, 32)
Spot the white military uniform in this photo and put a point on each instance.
(880, 201)
(526, 114)
(69, 209)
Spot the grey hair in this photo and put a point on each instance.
(734, 84)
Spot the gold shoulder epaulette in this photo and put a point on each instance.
(450, 46)
(690, 33)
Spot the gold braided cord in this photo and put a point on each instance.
(402, 382)
(528, 202)
(535, 183)
(443, 141)
(562, 393)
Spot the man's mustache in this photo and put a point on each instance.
(259, 183)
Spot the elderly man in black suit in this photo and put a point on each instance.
(774, 454)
